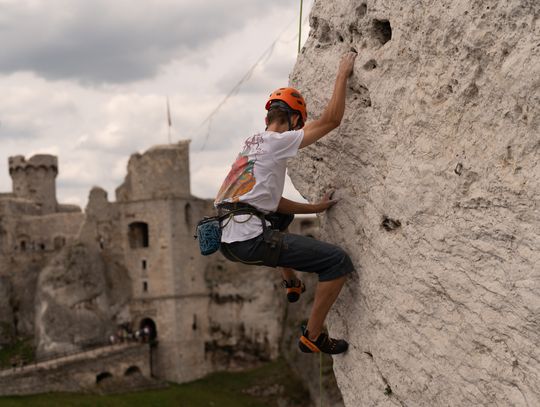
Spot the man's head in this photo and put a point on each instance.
(286, 106)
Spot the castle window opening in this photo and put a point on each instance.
(23, 245)
(194, 325)
(103, 376)
(41, 246)
(138, 235)
(145, 286)
(132, 370)
(144, 264)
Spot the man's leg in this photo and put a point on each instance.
(325, 295)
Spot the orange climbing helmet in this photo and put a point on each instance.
(292, 98)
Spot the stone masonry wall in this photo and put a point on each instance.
(437, 167)
(79, 373)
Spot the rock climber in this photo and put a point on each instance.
(253, 233)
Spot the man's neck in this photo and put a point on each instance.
(278, 128)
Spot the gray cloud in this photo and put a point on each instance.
(111, 42)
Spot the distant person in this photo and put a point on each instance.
(146, 333)
(254, 186)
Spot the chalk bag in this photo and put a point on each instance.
(209, 235)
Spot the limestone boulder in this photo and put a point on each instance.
(81, 295)
(245, 315)
(436, 165)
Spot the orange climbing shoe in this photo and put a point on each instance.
(294, 289)
(323, 344)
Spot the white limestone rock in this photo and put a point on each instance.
(80, 294)
(437, 168)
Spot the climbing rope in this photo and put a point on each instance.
(300, 26)
(320, 379)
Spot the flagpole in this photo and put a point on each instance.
(169, 121)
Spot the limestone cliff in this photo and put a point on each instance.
(437, 167)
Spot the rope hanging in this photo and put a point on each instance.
(320, 379)
(300, 26)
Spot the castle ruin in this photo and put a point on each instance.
(132, 262)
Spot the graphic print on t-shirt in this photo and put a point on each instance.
(241, 178)
(239, 181)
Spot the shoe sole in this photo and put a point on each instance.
(307, 346)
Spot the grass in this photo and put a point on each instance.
(21, 349)
(218, 389)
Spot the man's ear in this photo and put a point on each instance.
(266, 120)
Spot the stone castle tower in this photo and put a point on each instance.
(157, 215)
(35, 180)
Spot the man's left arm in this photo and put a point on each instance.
(287, 206)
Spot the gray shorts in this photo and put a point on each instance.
(298, 252)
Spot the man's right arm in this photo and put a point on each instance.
(332, 115)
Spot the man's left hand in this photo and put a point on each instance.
(326, 202)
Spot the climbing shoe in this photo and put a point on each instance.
(294, 289)
(323, 344)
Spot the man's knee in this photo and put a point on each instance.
(342, 266)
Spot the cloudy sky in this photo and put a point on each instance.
(88, 81)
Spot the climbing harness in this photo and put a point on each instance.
(208, 230)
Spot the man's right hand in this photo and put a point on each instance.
(346, 64)
(333, 113)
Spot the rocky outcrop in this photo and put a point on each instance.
(83, 293)
(436, 166)
(80, 296)
(245, 314)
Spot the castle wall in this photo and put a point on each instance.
(46, 233)
(78, 373)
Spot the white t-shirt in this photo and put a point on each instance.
(257, 177)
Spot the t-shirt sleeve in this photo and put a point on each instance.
(285, 145)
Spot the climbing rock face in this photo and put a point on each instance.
(436, 164)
